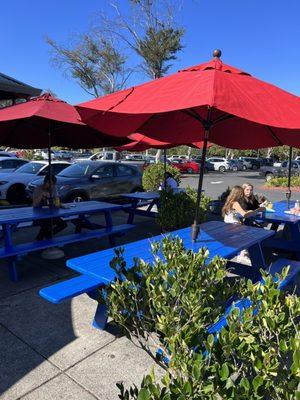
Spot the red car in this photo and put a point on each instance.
(189, 167)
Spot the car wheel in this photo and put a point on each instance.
(244, 167)
(234, 168)
(222, 168)
(77, 198)
(189, 170)
(254, 167)
(269, 177)
(16, 195)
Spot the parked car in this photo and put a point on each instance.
(251, 162)
(10, 164)
(176, 157)
(101, 156)
(7, 154)
(266, 161)
(13, 184)
(135, 157)
(220, 164)
(94, 180)
(236, 165)
(269, 172)
(189, 167)
(208, 165)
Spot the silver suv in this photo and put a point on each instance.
(94, 180)
(220, 163)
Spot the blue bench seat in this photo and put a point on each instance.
(60, 241)
(275, 267)
(68, 289)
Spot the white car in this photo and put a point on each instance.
(101, 156)
(10, 164)
(176, 157)
(220, 163)
(13, 184)
(135, 157)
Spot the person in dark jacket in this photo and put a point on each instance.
(249, 202)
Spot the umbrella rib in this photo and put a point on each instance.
(222, 118)
(275, 137)
(121, 101)
(192, 113)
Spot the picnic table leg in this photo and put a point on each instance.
(152, 204)
(134, 204)
(257, 257)
(11, 261)
(109, 224)
(295, 238)
(101, 316)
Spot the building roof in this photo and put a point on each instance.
(11, 88)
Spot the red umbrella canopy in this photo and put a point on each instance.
(142, 143)
(239, 110)
(27, 125)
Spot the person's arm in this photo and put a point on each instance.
(246, 214)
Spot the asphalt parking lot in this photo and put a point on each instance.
(216, 182)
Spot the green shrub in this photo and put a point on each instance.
(283, 181)
(154, 176)
(177, 210)
(170, 303)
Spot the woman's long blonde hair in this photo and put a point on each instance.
(235, 195)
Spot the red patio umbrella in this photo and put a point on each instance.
(143, 143)
(211, 101)
(46, 121)
(31, 124)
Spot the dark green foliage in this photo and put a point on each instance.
(283, 181)
(170, 302)
(158, 47)
(177, 210)
(154, 176)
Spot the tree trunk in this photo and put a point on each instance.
(158, 156)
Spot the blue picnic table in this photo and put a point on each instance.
(141, 199)
(221, 239)
(10, 218)
(281, 216)
(144, 199)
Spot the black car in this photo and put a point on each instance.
(251, 162)
(94, 180)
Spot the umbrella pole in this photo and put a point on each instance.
(195, 226)
(288, 192)
(165, 169)
(50, 167)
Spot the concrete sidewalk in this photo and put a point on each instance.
(50, 351)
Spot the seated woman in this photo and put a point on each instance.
(41, 197)
(233, 213)
(248, 201)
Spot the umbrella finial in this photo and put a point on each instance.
(217, 53)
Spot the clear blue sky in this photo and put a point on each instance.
(260, 37)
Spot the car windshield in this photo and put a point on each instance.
(30, 168)
(77, 170)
